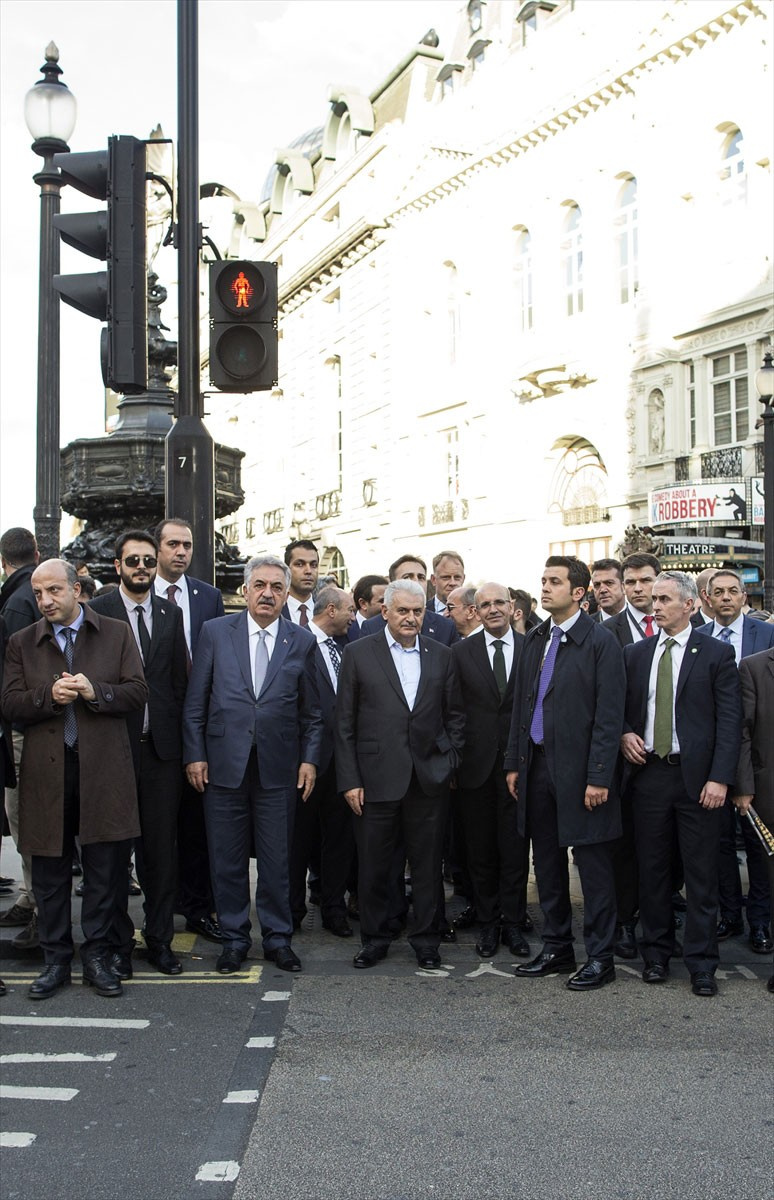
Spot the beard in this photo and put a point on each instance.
(134, 586)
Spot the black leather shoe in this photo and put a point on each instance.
(132, 886)
(369, 955)
(162, 958)
(121, 965)
(78, 890)
(626, 942)
(55, 976)
(466, 918)
(448, 934)
(229, 961)
(97, 974)
(729, 927)
(513, 938)
(655, 972)
(429, 959)
(526, 924)
(206, 927)
(760, 939)
(593, 974)
(548, 962)
(284, 958)
(338, 926)
(488, 941)
(703, 984)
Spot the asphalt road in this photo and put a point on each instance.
(390, 1084)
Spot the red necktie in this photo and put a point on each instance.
(302, 617)
(649, 630)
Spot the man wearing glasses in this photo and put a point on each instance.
(156, 738)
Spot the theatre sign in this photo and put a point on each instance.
(716, 503)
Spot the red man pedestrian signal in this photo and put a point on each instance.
(243, 326)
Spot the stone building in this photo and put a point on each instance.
(525, 285)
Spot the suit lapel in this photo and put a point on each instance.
(481, 659)
(241, 642)
(279, 653)
(384, 658)
(159, 610)
(693, 648)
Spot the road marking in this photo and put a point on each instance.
(241, 1097)
(10, 1140)
(250, 976)
(275, 996)
(257, 1043)
(77, 1022)
(36, 1093)
(39, 1058)
(486, 968)
(218, 1172)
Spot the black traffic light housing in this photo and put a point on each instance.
(243, 326)
(118, 295)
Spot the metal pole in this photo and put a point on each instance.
(768, 499)
(48, 512)
(190, 451)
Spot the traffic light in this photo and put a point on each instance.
(118, 295)
(243, 326)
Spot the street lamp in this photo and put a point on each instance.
(49, 110)
(764, 385)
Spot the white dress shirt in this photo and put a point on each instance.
(294, 606)
(183, 600)
(736, 629)
(678, 650)
(637, 622)
(507, 641)
(408, 664)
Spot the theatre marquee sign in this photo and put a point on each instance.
(716, 503)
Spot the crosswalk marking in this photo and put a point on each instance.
(218, 1172)
(8, 1092)
(10, 1141)
(259, 1043)
(51, 1058)
(78, 1022)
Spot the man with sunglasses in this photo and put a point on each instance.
(156, 738)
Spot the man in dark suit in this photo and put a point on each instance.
(497, 855)
(71, 679)
(560, 763)
(302, 559)
(607, 587)
(326, 813)
(399, 733)
(199, 602)
(252, 735)
(156, 735)
(727, 598)
(681, 738)
(755, 773)
(434, 626)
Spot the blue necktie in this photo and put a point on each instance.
(536, 728)
(725, 635)
(335, 654)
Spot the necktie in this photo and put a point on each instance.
(725, 635)
(662, 722)
(335, 654)
(302, 617)
(536, 728)
(498, 666)
(142, 631)
(649, 630)
(172, 591)
(261, 661)
(70, 720)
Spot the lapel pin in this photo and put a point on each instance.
(694, 649)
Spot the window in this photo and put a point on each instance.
(524, 280)
(733, 176)
(474, 15)
(453, 312)
(626, 239)
(730, 397)
(450, 448)
(572, 259)
(692, 406)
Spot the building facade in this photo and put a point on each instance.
(525, 285)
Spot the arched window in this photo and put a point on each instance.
(572, 259)
(626, 241)
(578, 489)
(733, 173)
(523, 278)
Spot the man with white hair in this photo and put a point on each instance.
(398, 735)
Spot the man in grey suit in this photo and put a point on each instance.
(251, 737)
(398, 736)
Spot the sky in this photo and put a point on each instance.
(264, 71)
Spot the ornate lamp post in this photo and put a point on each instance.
(49, 110)
(764, 385)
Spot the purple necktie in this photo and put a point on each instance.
(536, 728)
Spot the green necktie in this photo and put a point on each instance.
(498, 666)
(662, 723)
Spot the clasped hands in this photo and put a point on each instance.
(67, 688)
